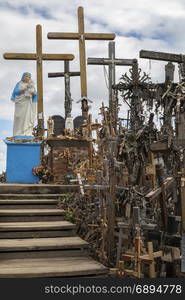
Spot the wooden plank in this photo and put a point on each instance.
(21, 56)
(182, 193)
(57, 56)
(56, 267)
(37, 233)
(28, 201)
(161, 56)
(42, 244)
(76, 36)
(16, 212)
(168, 183)
(152, 273)
(30, 196)
(40, 111)
(23, 226)
(36, 188)
(106, 61)
(44, 254)
(63, 35)
(31, 218)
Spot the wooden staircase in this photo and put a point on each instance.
(36, 241)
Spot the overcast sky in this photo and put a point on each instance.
(138, 24)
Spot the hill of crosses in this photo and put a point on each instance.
(104, 195)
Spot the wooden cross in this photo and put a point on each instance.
(81, 35)
(39, 57)
(112, 62)
(66, 74)
(138, 258)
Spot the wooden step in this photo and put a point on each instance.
(15, 188)
(7, 245)
(30, 196)
(30, 226)
(28, 203)
(26, 215)
(26, 212)
(47, 267)
(44, 254)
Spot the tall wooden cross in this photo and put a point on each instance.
(39, 57)
(112, 62)
(81, 35)
(66, 74)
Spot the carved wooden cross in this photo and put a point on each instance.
(66, 74)
(39, 57)
(81, 35)
(112, 62)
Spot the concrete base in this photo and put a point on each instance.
(21, 158)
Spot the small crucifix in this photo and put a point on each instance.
(66, 74)
(39, 57)
(81, 35)
(112, 62)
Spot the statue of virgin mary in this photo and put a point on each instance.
(25, 98)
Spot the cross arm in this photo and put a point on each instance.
(77, 36)
(24, 56)
(97, 61)
(33, 56)
(161, 56)
(57, 56)
(107, 61)
(99, 36)
(63, 36)
(62, 74)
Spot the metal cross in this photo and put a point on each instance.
(112, 62)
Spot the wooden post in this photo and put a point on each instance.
(39, 57)
(40, 110)
(82, 36)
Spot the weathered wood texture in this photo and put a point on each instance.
(55, 267)
(162, 56)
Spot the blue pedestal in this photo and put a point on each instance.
(21, 158)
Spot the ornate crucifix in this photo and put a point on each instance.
(39, 57)
(81, 35)
(66, 74)
(112, 62)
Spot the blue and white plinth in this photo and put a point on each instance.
(21, 158)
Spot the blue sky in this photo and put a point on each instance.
(139, 24)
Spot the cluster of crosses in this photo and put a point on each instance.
(81, 36)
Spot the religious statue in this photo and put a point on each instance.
(25, 97)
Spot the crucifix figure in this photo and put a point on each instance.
(81, 35)
(112, 62)
(66, 74)
(39, 57)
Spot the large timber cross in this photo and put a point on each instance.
(112, 62)
(81, 35)
(39, 57)
(66, 74)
